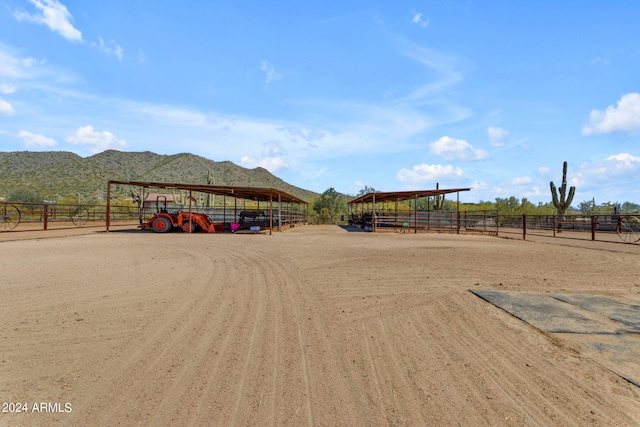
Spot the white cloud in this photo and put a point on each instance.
(271, 158)
(313, 174)
(270, 71)
(54, 15)
(98, 141)
(7, 88)
(479, 186)
(166, 114)
(417, 19)
(456, 149)
(623, 118)
(12, 66)
(429, 173)
(445, 67)
(273, 149)
(141, 57)
(307, 135)
(623, 162)
(111, 49)
(543, 170)
(620, 171)
(272, 164)
(119, 52)
(599, 60)
(497, 136)
(32, 140)
(6, 108)
(521, 180)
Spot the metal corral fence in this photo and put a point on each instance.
(16, 216)
(432, 221)
(614, 228)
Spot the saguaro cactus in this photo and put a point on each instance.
(210, 202)
(563, 203)
(438, 201)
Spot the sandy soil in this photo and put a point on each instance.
(312, 326)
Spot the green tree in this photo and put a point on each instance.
(324, 215)
(628, 207)
(587, 206)
(366, 190)
(333, 202)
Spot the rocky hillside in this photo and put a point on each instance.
(55, 175)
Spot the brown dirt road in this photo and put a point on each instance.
(312, 326)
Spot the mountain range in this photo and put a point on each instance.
(58, 174)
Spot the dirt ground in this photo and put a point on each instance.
(312, 326)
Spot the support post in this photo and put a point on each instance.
(279, 212)
(270, 213)
(524, 227)
(396, 212)
(593, 227)
(46, 216)
(142, 206)
(415, 215)
(458, 212)
(373, 215)
(428, 214)
(190, 222)
(108, 219)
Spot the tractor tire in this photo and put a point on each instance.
(161, 225)
(189, 225)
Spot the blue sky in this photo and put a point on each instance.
(492, 95)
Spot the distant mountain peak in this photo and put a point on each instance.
(56, 174)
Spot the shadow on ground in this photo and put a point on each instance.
(352, 229)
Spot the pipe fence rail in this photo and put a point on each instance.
(623, 228)
(18, 216)
(614, 228)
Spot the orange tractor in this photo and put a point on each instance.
(163, 221)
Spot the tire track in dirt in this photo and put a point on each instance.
(308, 327)
(246, 360)
(463, 361)
(303, 359)
(129, 377)
(219, 395)
(377, 376)
(207, 347)
(63, 312)
(227, 329)
(274, 273)
(257, 317)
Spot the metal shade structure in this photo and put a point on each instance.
(259, 194)
(398, 196)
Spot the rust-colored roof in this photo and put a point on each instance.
(404, 195)
(247, 193)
